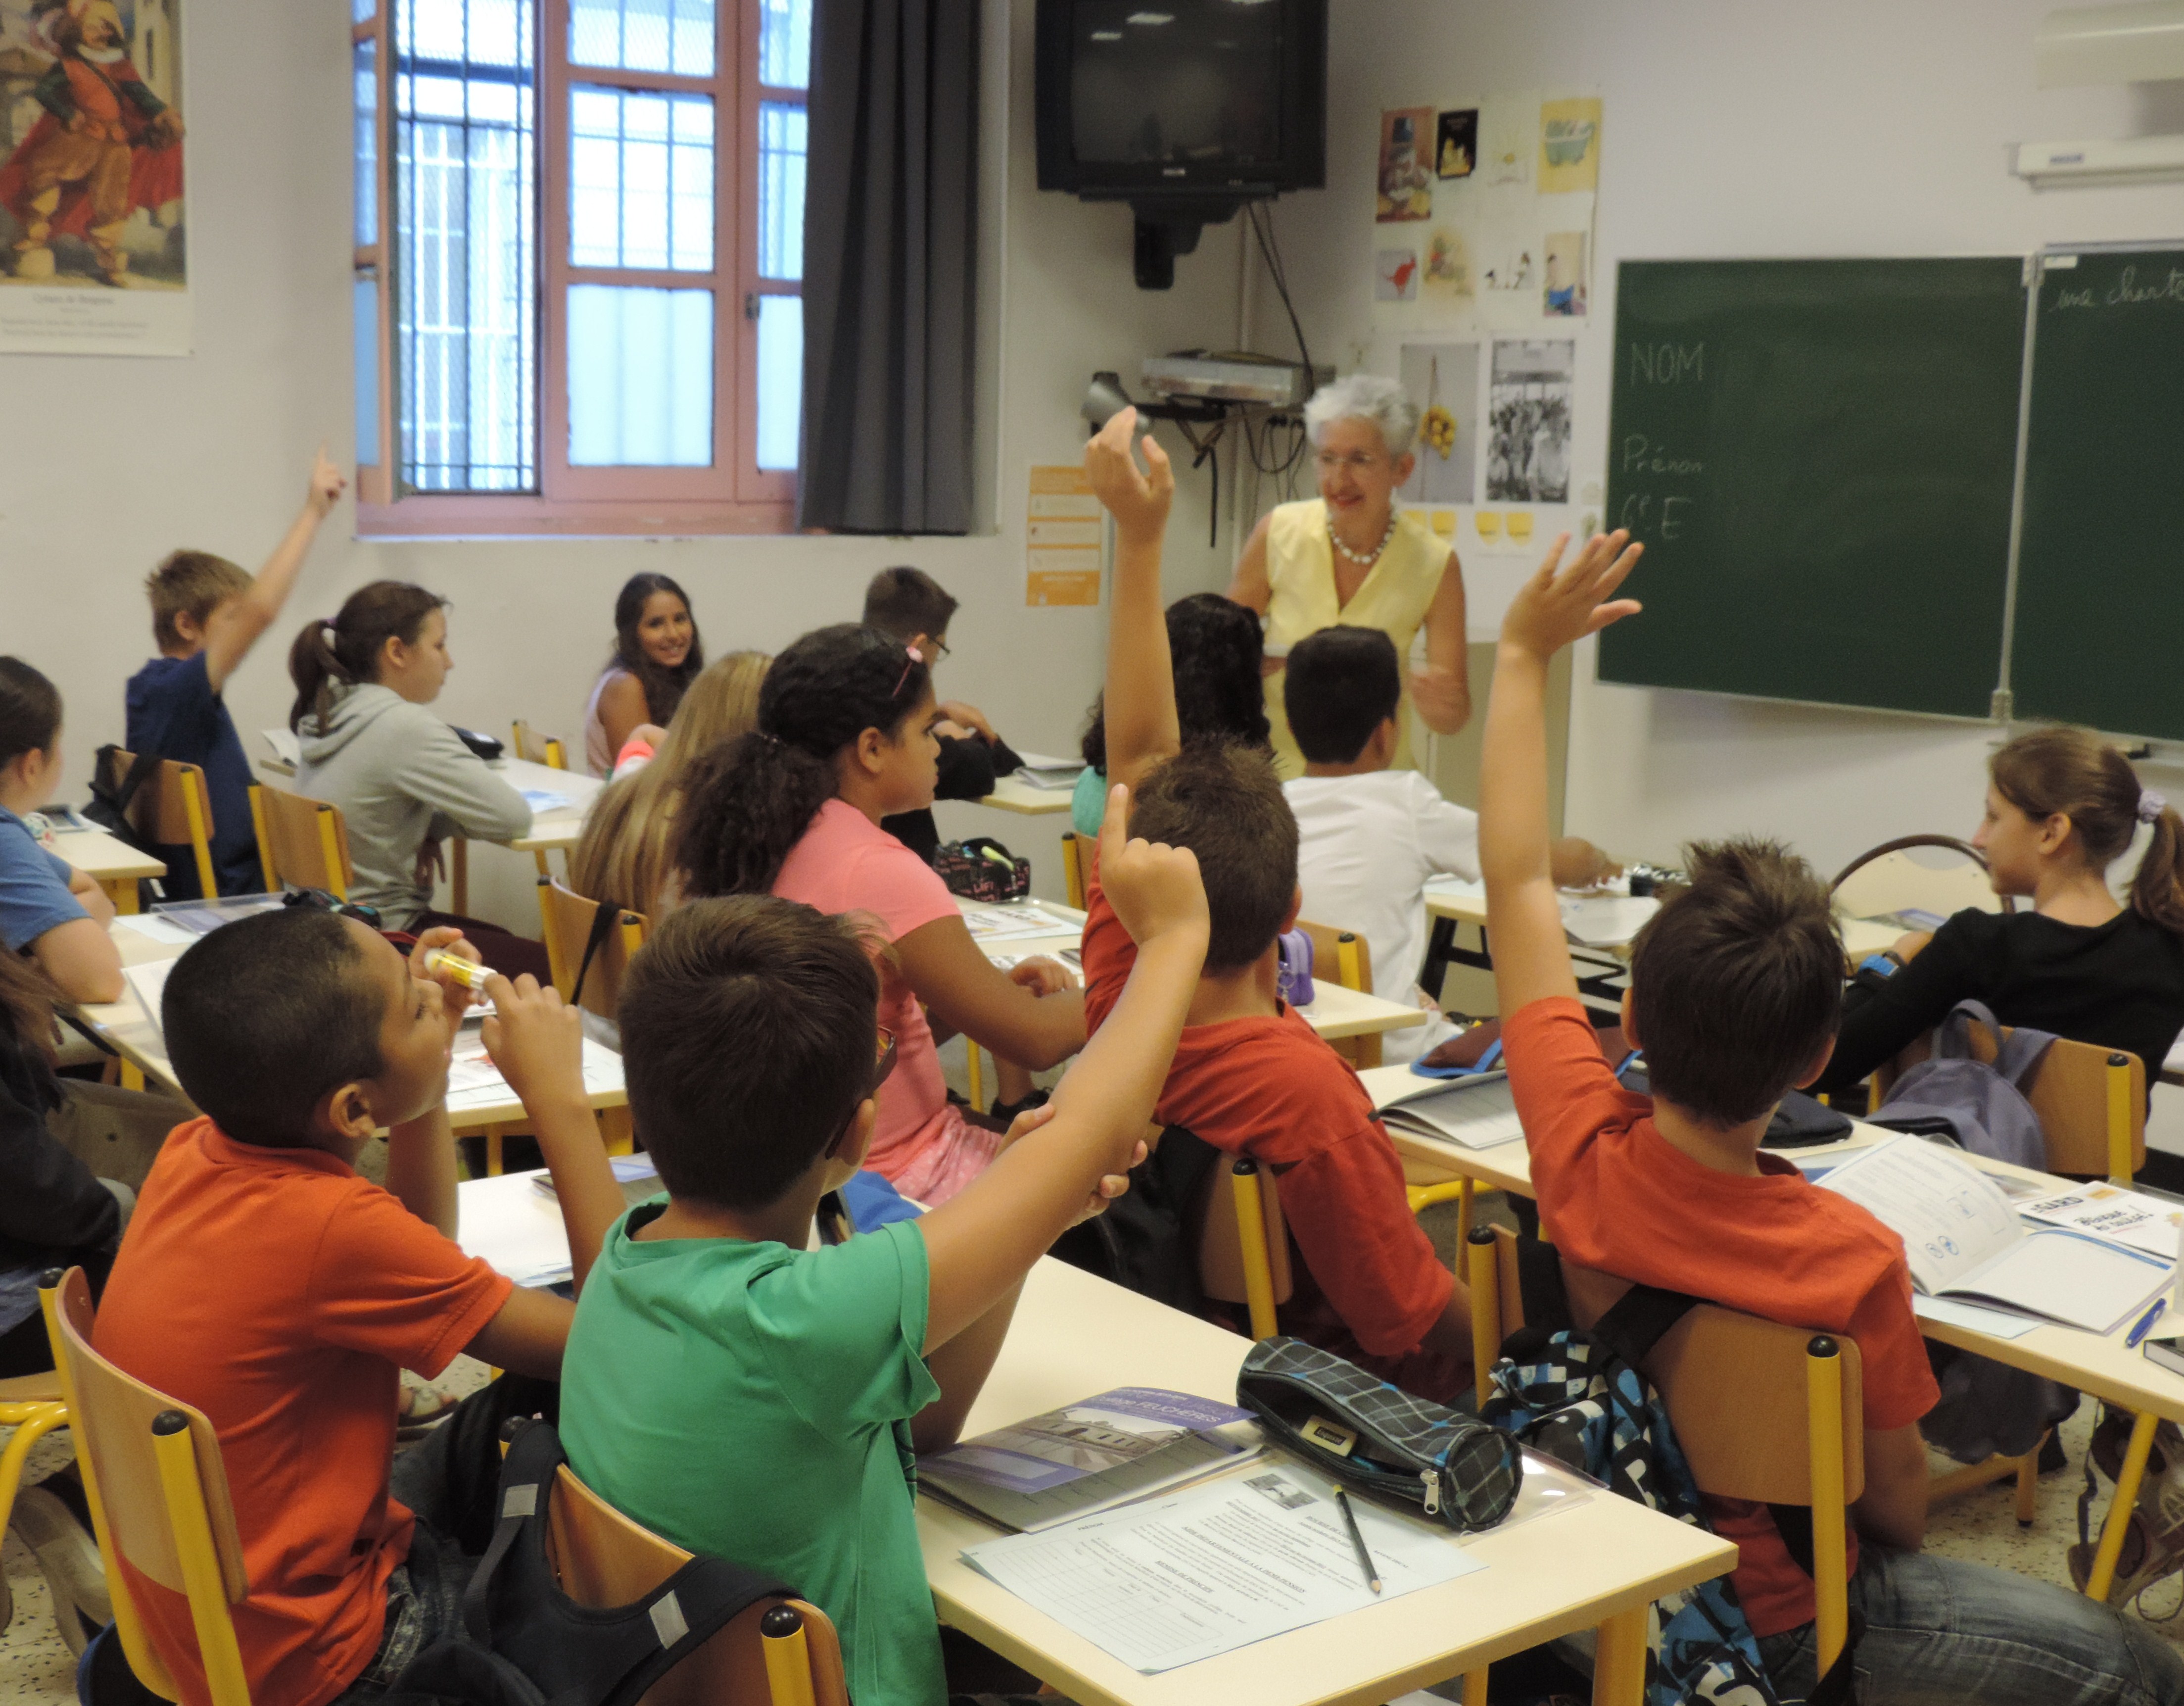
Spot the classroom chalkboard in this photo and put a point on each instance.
(1820, 457)
(2099, 631)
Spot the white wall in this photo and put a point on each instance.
(1734, 128)
(106, 465)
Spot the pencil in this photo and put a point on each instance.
(1364, 1558)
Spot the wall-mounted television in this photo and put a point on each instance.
(1185, 108)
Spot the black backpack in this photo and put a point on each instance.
(1147, 1240)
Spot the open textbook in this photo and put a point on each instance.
(1476, 1112)
(1089, 1457)
(2145, 1223)
(1963, 1240)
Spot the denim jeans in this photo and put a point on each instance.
(1939, 1630)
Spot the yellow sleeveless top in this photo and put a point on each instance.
(1394, 597)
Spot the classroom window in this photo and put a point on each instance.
(579, 252)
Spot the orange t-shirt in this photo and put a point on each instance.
(1271, 1089)
(1616, 1196)
(283, 1295)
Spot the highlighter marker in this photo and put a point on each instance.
(467, 973)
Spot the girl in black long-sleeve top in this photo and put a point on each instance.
(2061, 808)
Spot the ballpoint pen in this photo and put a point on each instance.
(2145, 1324)
(1357, 1539)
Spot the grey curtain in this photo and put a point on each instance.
(890, 243)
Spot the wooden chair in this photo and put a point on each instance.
(776, 1653)
(1243, 1243)
(534, 748)
(569, 919)
(157, 1487)
(301, 842)
(1762, 1411)
(1074, 861)
(1890, 879)
(1347, 958)
(32, 1405)
(171, 808)
(2091, 1101)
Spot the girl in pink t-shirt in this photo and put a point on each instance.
(844, 737)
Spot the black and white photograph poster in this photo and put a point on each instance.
(1527, 421)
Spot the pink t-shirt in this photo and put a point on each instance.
(847, 863)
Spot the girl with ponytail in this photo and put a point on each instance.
(2061, 808)
(844, 737)
(402, 779)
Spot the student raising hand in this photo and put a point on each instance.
(327, 484)
(1154, 890)
(1559, 605)
(1137, 502)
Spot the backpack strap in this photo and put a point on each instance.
(118, 797)
(1638, 1320)
(2020, 1051)
(1953, 1037)
(579, 1655)
(605, 917)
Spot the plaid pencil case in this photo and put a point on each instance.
(1370, 1435)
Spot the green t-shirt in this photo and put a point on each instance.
(750, 1401)
(1088, 802)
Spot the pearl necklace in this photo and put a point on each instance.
(1362, 557)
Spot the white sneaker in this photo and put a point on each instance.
(68, 1554)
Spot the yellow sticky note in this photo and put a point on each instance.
(1444, 523)
(1520, 525)
(1489, 523)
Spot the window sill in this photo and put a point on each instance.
(481, 518)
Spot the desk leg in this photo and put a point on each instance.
(1440, 953)
(459, 879)
(1618, 1665)
(133, 1075)
(1474, 1688)
(122, 891)
(2102, 1575)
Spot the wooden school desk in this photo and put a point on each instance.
(115, 865)
(125, 1028)
(1013, 793)
(1597, 1566)
(559, 828)
(1335, 1012)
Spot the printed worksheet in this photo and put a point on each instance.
(1478, 1112)
(2150, 1223)
(1217, 1567)
(999, 923)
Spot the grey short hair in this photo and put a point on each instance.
(1365, 397)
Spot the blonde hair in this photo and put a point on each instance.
(622, 857)
(193, 584)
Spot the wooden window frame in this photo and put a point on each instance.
(733, 496)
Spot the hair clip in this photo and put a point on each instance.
(2151, 806)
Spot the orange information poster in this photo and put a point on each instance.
(1062, 552)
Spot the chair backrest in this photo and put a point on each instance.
(1935, 873)
(534, 748)
(1344, 957)
(569, 919)
(171, 807)
(1074, 856)
(1243, 1243)
(2091, 1101)
(604, 1559)
(157, 1488)
(301, 842)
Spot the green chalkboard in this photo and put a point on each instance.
(2099, 634)
(1818, 455)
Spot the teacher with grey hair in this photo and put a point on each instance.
(1347, 558)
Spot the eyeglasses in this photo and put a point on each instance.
(915, 662)
(1357, 461)
(883, 1059)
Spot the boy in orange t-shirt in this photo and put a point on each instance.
(1735, 990)
(264, 1282)
(1251, 1077)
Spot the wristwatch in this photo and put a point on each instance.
(1886, 964)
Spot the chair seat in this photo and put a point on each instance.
(31, 1389)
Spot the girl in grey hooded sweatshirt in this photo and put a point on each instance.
(403, 780)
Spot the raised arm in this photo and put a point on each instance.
(234, 626)
(1442, 690)
(981, 1242)
(1140, 698)
(1531, 960)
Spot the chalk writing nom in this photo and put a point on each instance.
(1667, 364)
(1640, 455)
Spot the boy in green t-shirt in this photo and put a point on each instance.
(753, 1398)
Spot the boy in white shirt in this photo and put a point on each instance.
(1370, 836)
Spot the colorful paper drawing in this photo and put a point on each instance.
(1395, 275)
(1527, 421)
(1405, 165)
(1511, 269)
(1569, 146)
(1442, 379)
(1456, 152)
(1448, 266)
(91, 145)
(1566, 286)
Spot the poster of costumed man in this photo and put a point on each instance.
(92, 256)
